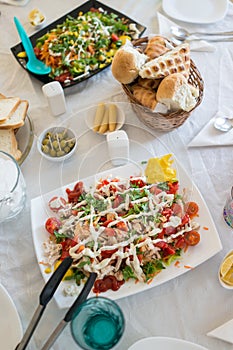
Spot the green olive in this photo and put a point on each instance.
(53, 153)
(45, 148)
(45, 141)
(55, 144)
(60, 153)
(63, 143)
(67, 149)
(71, 144)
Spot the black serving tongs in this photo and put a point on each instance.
(47, 294)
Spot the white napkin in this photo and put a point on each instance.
(210, 136)
(164, 29)
(223, 332)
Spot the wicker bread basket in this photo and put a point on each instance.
(159, 121)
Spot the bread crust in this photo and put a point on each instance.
(18, 117)
(176, 93)
(169, 85)
(126, 64)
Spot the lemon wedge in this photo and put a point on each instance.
(226, 267)
(228, 278)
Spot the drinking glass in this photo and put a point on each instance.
(98, 324)
(12, 187)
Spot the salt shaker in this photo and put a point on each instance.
(228, 210)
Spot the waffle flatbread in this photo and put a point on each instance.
(176, 60)
(156, 47)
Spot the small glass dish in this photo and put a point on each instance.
(25, 136)
(36, 18)
(57, 143)
(12, 187)
(98, 324)
(91, 113)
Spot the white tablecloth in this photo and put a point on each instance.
(188, 306)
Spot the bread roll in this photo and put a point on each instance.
(126, 64)
(176, 60)
(145, 96)
(156, 46)
(176, 93)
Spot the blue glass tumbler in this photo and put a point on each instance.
(98, 324)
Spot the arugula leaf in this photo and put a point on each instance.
(128, 273)
(151, 268)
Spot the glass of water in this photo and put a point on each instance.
(12, 187)
(98, 324)
(228, 210)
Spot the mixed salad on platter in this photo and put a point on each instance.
(83, 44)
(122, 228)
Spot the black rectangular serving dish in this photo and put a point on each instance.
(82, 8)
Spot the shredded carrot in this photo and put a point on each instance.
(43, 263)
(188, 267)
(205, 228)
(177, 263)
(186, 248)
(80, 249)
(149, 281)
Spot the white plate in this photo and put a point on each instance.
(10, 325)
(209, 246)
(196, 11)
(165, 343)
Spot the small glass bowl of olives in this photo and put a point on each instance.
(57, 143)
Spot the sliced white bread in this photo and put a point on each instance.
(8, 143)
(17, 118)
(7, 107)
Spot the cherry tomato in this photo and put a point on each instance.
(191, 209)
(137, 182)
(37, 51)
(185, 219)
(108, 253)
(173, 187)
(105, 223)
(114, 37)
(108, 282)
(180, 243)
(66, 245)
(122, 226)
(161, 244)
(192, 237)
(168, 251)
(63, 77)
(52, 224)
(56, 203)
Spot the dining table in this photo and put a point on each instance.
(186, 307)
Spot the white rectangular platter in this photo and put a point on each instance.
(209, 245)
